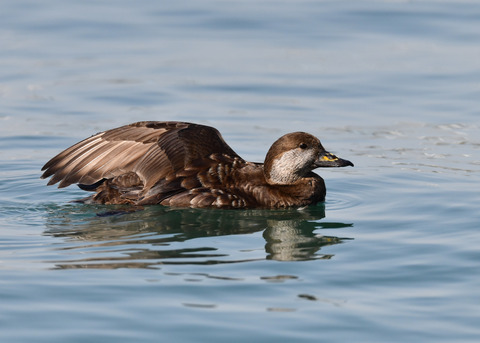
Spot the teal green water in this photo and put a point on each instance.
(392, 256)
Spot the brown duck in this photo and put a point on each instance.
(190, 165)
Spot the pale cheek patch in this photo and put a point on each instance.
(290, 166)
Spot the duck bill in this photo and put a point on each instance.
(328, 160)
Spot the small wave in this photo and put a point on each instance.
(341, 200)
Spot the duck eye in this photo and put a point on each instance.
(303, 146)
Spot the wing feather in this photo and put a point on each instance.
(70, 154)
(79, 162)
(91, 163)
(116, 161)
(155, 151)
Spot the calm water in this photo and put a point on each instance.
(392, 256)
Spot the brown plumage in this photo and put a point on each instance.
(189, 165)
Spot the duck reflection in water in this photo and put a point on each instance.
(150, 237)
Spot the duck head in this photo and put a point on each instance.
(294, 155)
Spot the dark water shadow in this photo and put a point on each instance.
(93, 238)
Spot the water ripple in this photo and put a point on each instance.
(337, 200)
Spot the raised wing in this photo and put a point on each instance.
(153, 150)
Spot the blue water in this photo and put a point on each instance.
(392, 256)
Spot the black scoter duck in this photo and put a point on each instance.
(189, 165)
